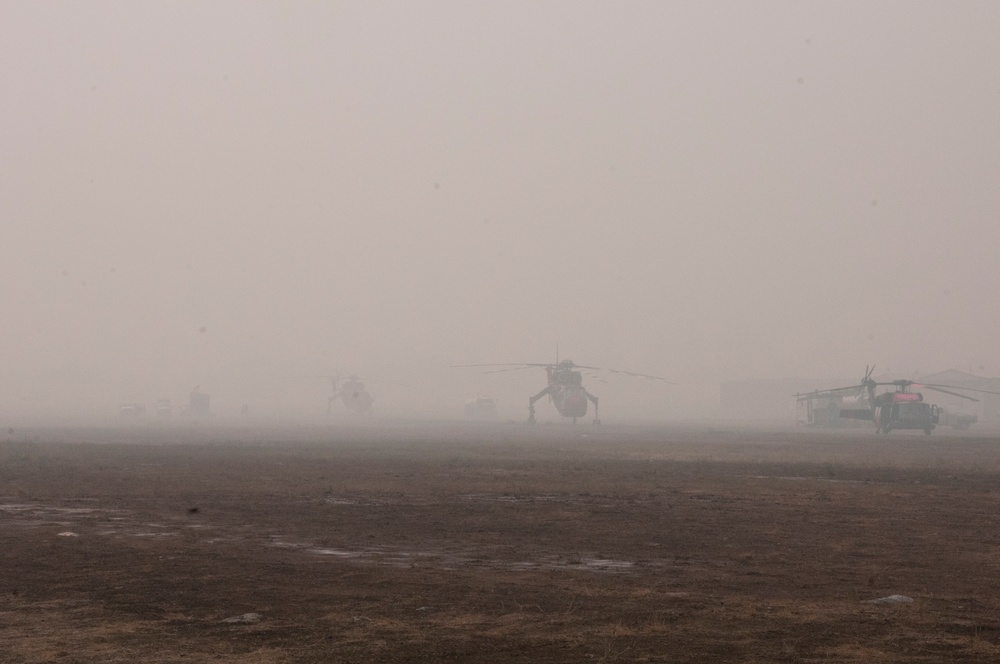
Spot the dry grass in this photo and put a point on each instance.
(499, 543)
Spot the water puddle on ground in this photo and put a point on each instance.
(122, 523)
(607, 565)
(464, 560)
(83, 522)
(340, 553)
(34, 514)
(798, 478)
(512, 498)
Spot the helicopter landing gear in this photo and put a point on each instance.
(531, 404)
(597, 412)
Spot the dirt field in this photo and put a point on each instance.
(497, 543)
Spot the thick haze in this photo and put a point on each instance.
(247, 196)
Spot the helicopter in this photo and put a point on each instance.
(899, 408)
(565, 386)
(352, 393)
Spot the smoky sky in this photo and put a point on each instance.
(246, 196)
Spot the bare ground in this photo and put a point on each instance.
(413, 543)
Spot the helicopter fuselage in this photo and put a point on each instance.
(567, 392)
(353, 394)
(903, 410)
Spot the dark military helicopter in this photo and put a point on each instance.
(898, 408)
(565, 386)
(352, 393)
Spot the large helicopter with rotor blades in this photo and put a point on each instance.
(565, 386)
(896, 408)
(352, 393)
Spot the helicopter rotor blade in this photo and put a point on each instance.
(508, 369)
(954, 394)
(819, 394)
(904, 383)
(523, 365)
(624, 373)
(896, 383)
(639, 375)
(956, 387)
(565, 364)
